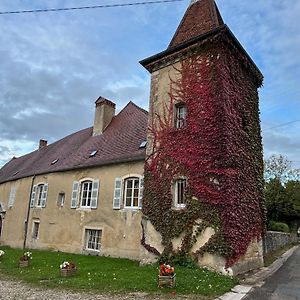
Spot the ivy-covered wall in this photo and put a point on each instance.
(218, 151)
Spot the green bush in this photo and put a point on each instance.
(279, 226)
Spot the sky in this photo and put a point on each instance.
(55, 65)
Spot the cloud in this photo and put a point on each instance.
(55, 65)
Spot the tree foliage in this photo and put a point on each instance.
(279, 167)
(282, 191)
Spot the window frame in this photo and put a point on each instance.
(89, 238)
(119, 195)
(39, 195)
(88, 192)
(35, 230)
(180, 116)
(176, 199)
(61, 198)
(133, 189)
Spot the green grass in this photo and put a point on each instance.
(109, 275)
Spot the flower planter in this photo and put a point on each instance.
(67, 272)
(168, 281)
(23, 263)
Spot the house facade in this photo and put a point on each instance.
(83, 193)
(184, 180)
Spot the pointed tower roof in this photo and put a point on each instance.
(201, 17)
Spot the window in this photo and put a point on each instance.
(12, 196)
(143, 144)
(35, 230)
(128, 193)
(85, 193)
(93, 153)
(93, 239)
(180, 115)
(54, 161)
(61, 199)
(39, 195)
(131, 195)
(179, 192)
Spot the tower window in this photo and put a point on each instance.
(179, 188)
(180, 115)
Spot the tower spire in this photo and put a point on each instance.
(200, 17)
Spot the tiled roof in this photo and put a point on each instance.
(119, 143)
(201, 17)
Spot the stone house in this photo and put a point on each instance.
(199, 151)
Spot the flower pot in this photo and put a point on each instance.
(168, 281)
(23, 263)
(67, 272)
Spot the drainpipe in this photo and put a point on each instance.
(28, 212)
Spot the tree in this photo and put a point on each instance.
(279, 167)
(275, 198)
(276, 167)
(282, 191)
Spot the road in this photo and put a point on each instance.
(283, 284)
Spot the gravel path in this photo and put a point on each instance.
(16, 290)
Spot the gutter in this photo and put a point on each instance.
(28, 213)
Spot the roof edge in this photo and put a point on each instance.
(140, 157)
(149, 60)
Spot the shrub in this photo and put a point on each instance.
(279, 226)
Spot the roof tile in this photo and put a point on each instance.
(119, 142)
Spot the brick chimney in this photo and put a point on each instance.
(42, 144)
(104, 112)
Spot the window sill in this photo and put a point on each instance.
(84, 208)
(132, 208)
(178, 207)
(91, 252)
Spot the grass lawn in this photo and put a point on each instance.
(109, 275)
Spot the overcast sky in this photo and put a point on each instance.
(55, 65)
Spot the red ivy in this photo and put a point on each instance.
(219, 151)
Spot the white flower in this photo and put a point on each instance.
(2, 253)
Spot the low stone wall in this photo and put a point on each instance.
(274, 240)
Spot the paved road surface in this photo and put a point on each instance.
(283, 284)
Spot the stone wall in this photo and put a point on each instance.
(274, 240)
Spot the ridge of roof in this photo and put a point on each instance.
(200, 17)
(119, 142)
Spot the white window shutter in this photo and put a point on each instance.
(32, 199)
(117, 194)
(12, 196)
(95, 191)
(44, 195)
(141, 191)
(74, 194)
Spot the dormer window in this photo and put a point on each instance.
(180, 115)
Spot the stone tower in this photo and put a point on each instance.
(203, 194)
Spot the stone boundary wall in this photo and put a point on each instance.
(274, 240)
